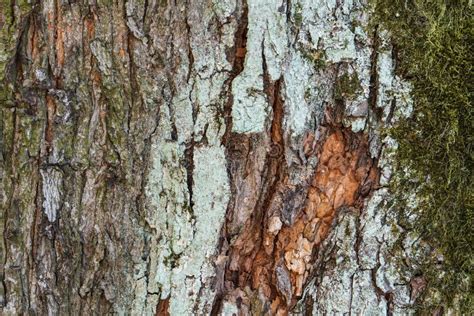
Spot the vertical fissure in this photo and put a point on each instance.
(374, 78)
(7, 211)
(189, 166)
(237, 55)
(232, 143)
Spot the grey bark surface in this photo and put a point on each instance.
(161, 157)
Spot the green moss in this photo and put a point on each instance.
(307, 94)
(24, 5)
(257, 306)
(434, 40)
(172, 260)
(347, 87)
(355, 24)
(298, 16)
(105, 3)
(347, 231)
(316, 56)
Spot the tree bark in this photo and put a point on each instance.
(199, 157)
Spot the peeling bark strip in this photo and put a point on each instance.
(198, 157)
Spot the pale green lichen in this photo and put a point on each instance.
(267, 30)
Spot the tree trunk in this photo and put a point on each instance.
(199, 157)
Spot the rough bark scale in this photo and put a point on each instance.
(200, 157)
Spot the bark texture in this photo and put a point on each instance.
(199, 157)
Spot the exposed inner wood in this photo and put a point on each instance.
(162, 307)
(274, 258)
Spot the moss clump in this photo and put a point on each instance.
(316, 56)
(434, 44)
(298, 15)
(347, 86)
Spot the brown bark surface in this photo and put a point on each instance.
(129, 186)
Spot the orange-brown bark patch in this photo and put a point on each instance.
(162, 308)
(90, 27)
(343, 169)
(60, 46)
(275, 259)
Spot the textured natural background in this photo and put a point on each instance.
(232, 157)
